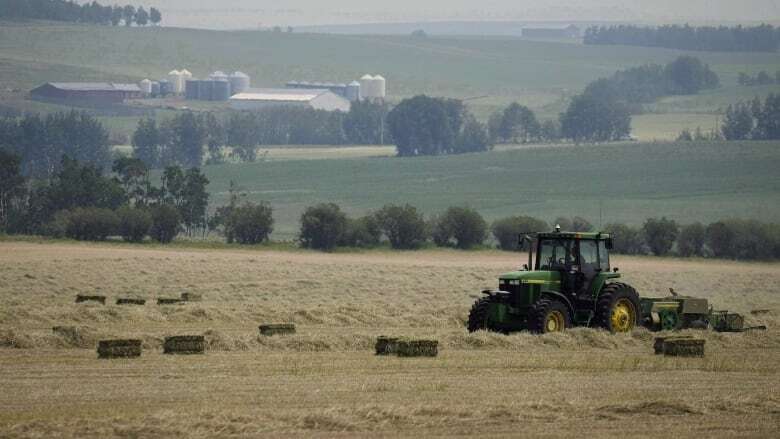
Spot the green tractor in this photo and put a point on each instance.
(567, 282)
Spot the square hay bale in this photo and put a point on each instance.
(80, 298)
(684, 347)
(386, 345)
(169, 301)
(417, 348)
(658, 346)
(184, 344)
(129, 301)
(277, 329)
(119, 348)
(191, 297)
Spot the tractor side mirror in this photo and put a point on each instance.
(525, 267)
(608, 244)
(615, 270)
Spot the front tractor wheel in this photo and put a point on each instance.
(549, 316)
(478, 316)
(617, 309)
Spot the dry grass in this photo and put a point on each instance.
(325, 379)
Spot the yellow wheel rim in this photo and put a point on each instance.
(623, 316)
(554, 322)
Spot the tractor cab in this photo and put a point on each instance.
(578, 257)
(567, 281)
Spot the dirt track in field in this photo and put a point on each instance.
(325, 381)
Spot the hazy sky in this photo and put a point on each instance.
(252, 13)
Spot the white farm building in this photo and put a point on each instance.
(318, 99)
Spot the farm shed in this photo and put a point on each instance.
(96, 92)
(318, 99)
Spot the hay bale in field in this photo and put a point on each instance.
(169, 301)
(130, 348)
(80, 298)
(129, 301)
(191, 297)
(277, 329)
(184, 344)
(684, 347)
(658, 346)
(417, 348)
(761, 312)
(386, 345)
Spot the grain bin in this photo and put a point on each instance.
(175, 78)
(380, 87)
(185, 75)
(219, 75)
(239, 82)
(352, 91)
(167, 87)
(366, 87)
(220, 90)
(192, 89)
(155, 88)
(205, 90)
(145, 86)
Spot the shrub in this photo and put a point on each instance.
(134, 223)
(91, 224)
(404, 226)
(691, 240)
(742, 239)
(57, 227)
(362, 232)
(625, 239)
(166, 222)
(463, 225)
(660, 235)
(507, 231)
(323, 226)
(250, 223)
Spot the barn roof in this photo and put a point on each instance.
(280, 94)
(94, 86)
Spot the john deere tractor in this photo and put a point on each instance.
(567, 282)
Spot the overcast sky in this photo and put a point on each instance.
(251, 13)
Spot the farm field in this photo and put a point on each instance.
(325, 381)
(627, 182)
(540, 74)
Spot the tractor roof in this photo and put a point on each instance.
(574, 235)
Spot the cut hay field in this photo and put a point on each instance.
(324, 381)
(627, 182)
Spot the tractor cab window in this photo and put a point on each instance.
(589, 257)
(555, 254)
(603, 256)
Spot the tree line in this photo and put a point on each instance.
(71, 11)
(41, 142)
(762, 38)
(80, 202)
(761, 78)
(754, 120)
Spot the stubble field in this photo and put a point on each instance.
(325, 380)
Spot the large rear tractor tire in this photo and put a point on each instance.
(617, 309)
(478, 316)
(549, 316)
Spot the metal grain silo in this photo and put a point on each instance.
(145, 86)
(205, 90)
(353, 91)
(219, 75)
(155, 88)
(366, 87)
(192, 89)
(177, 83)
(380, 87)
(167, 87)
(185, 75)
(239, 82)
(220, 90)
